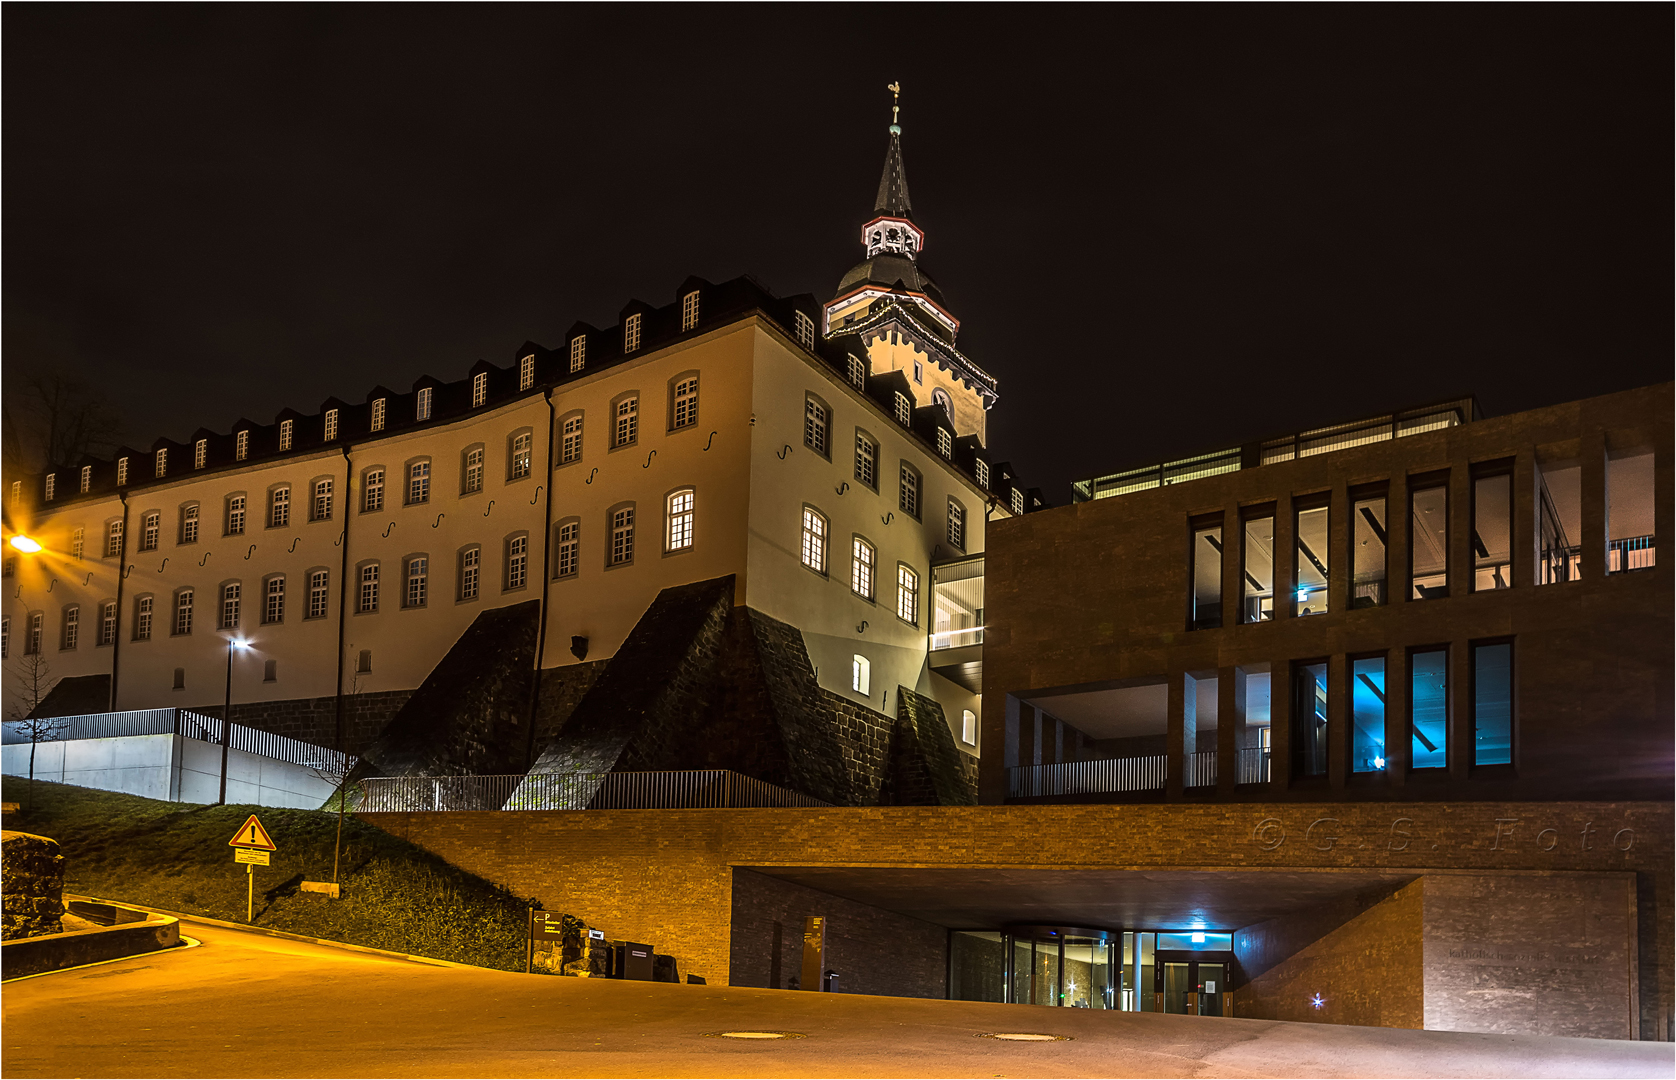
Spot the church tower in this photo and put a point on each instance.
(898, 312)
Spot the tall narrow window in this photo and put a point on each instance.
(814, 540)
(980, 470)
(570, 445)
(1428, 545)
(279, 508)
(331, 424)
(36, 625)
(479, 389)
(51, 485)
(1367, 587)
(568, 560)
(200, 453)
(578, 352)
(679, 536)
(5, 639)
(161, 463)
(286, 429)
(526, 372)
(1257, 570)
(419, 482)
(863, 560)
(72, 627)
(422, 404)
(1428, 708)
(1309, 563)
(622, 536)
(113, 539)
(374, 491)
(378, 407)
(861, 675)
(189, 524)
(904, 414)
(858, 372)
(815, 426)
(78, 541)
(1207, 577)
(231, 597)
(689, 310)
(273, 600)
(805, 330)
(473, 480)
(919, 372)
(121, 473)
(183, 612)
(1309, 719)
(150, 530)
(1492, 704)
(321, 509)
(517, 562)
(866, 460)
(1629, 512)
(235, 515)
(418, 577)
(368, 600)
(945, 443)
(86, 479)
(685, 410)
(1492, 532)
(471, 560)
(107, 623)
(521, 446)
(241, 445)
(628, 422)
(956, 531)
(318, 583)
(907, 594)
(1367, 715)
(142, 619)
(631, 333)
(969, 727)
(907, 499)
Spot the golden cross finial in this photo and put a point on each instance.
(895, 89)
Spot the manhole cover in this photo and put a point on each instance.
(754, 1035)
(1023, 1036)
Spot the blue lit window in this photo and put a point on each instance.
(1492, 704)
(1367, 709)
(1428, 705)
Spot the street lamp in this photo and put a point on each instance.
(26, 544)
(227, 716)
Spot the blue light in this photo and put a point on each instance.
(1379, 763)
(1198, 939)
(1317, 1002)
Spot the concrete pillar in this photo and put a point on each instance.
(1398, 518)
(1285, 553)
(1338, 720)
(1231, 732)
(1460, 709)
(1233, 583)
(1010, 737)
(1398, 741)
(1033, 754)
(1181, 732)
(1280, 727)
(1592, 456)
(1340, 532)
(1460, 529)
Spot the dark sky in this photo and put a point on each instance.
(1165, 229)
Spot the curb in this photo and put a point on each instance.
(206, 921)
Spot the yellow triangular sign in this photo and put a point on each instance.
(252, 835)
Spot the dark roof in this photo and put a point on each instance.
(893, 184)
(891, 271)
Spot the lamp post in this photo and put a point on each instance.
(227, 716)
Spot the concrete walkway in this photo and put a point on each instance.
(249, 1005)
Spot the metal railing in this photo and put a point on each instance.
(1635, 553)
(185, 723)
(1200, 770)
(701, 789)
(954, 639)
(1111, 776)
(1253, 765)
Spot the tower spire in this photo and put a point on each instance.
(893, 185)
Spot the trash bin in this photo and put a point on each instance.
(829, 982)
(636, 961)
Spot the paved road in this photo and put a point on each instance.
(248, 1005)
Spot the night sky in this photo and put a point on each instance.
(1165, 229)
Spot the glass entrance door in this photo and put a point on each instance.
(1063, 966)
(1178, 982)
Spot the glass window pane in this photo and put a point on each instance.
(1492, 704)
(1367, 715)
(1368, 528)
(1428, 704)
(1428, 544)
(1044, 976)
(1146, 975)
(1311, 562)
(1561, 526)
(977, 965)
(1309, 720)
(1258, 570)
(1207, 578)
(1207, 941)
(1492, 533)
(1629, 494)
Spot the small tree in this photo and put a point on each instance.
(34, 679)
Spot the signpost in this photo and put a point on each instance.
(252, 844)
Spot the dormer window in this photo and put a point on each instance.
(578, 352)
(200, 453)
(17, 492)
(479, 389)
(858, 372)
(121, 472)
(51, 485)
(805, 331)
(904, 414)
(331, 424)
(631, 333)
(161, 465)
(378, 414)
(1018, 501)
(945, 444)
(86, 479)
(287, 429)
(526, 372)
(689, 310)
(982, 471)
(241, 445)
(422, 404)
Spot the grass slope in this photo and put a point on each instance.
(175, 855)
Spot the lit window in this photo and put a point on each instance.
(1428, 709)
(570, 447)
(230, 597)
(862, 561)
(631, 333)
(273, 601)
(51, 485)
(526, 372)
(369, 588)
(858, 372)
(161, 464)
(113, 539)
(317, 594)
(151, 527)
(689, 310)
(628, 421)
(286, 427)
(121, 472)
(72, 627)
(1428, 547)
(861, 675)
(474, 470)
(814, 540)
(578, 352)
(622, 536)
(86, 479)
(517, 562)
(417, 575)
(566, 564)
(279, 508)
(419, 482)
(378, 414)
(981, 469)
(685, 410)
(183, 612)
(945, 443)
(521, 455)
(189, 524)
(422, 404)
(235, 515)
(866, 461)
(374, 499)
(957, 525)
(33, 645)
(17, 491)
(679, 536)
(1018, 501)
(479, 389)
(78, 544)
(5, 639)
(470, 564)
(805, 331)
(107, 623)
(331, 424)
(241, 445)
(968, 727)
(1309, 562)
(908, 497)
(907, 595)
(142, 619)
(814, 426)
(200, 453)
(904, 414)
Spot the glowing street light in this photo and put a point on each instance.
(27, 545)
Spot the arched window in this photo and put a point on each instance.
(519, 459)
(814, 540)
(866, 460)
(279, 507)
(570, 443)
(471, 470)
(678, 536)
(471, 560)
(939, 396)
(183, 612)
(861, 675)
(150, 529)
(366, 601)
(816, 424)
(627, 429)
(418, 582)
(189, 524)
(419, 482)
(863, 559)
(567, 549)
(907, 594)
(273, 600)
(321, 508)
(232, 598)
(517, 561)
(479, 389)
(622, 536)
(683, 402)
(968, 727)
(907, 499)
